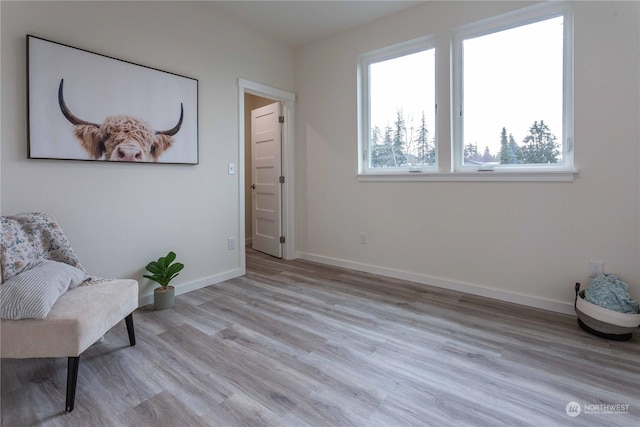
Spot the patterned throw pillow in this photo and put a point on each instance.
(17, 253)
(32, 293)
(29, 237)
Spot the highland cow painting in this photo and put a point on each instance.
(87, 106)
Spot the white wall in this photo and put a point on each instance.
(523, 242)
(120, 216)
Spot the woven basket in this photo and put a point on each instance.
(603, 322)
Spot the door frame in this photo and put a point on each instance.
(288, 205)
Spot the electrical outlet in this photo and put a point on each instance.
(232, 169)
(363, 238)
(231, 243)
(596, 268)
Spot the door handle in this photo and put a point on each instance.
(253, 186)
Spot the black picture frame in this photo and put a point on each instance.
(84, 105)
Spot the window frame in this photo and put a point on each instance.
(364, 110)
(449, 154)
(497, 24)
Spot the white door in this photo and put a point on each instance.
(266, 187)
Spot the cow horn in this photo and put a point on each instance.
(174, 129)
(73, 119)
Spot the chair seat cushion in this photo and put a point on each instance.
(77, 319)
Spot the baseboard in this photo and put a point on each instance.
(526, 300)
(183, 288)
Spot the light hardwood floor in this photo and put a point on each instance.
(298, 343)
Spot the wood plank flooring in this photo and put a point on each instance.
(295, 343)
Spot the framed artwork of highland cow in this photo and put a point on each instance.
(87, 106)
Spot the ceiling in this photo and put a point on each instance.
(297, 23)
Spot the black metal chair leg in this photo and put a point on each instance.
(74, 363)
(72, 380)
(132, 334)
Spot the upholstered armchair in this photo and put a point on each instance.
(50, 306)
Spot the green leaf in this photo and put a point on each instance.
(171, 256)
(155, 278)
(154, 268)
(162, 262)
(174, 269)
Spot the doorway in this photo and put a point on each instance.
(252, 96)
(263, 170)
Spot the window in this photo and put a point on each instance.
(399, 124)
(510, 92)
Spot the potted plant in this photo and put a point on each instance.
(163, 271)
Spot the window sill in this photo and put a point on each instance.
(493, 176)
